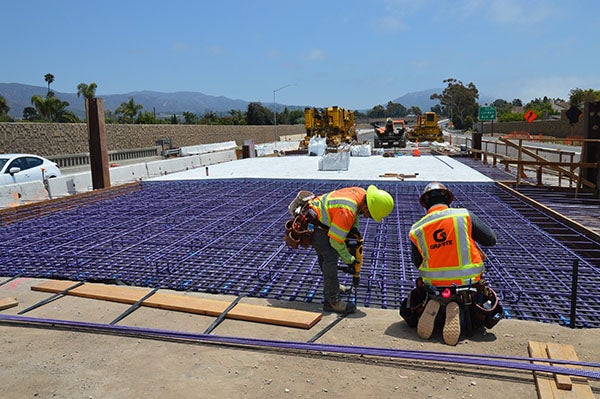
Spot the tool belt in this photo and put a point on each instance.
(488, 311)
(299, 230)
(413, 305)
(484, 304)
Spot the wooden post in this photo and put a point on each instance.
(519, 164)
(97, 143)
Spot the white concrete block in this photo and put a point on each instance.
(206, 148)
(128, 174)
(10, 196)
(33, 191)
(60, 187)
(80, 182)
(218, 157)
(163, 167)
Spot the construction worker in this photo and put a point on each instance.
(444, 248)
(389, 126)
(335, 214)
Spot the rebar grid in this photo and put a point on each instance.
(226, 237)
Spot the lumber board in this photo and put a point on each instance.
(210, 307)
(546, 383)
(9, 302)
(555, 351)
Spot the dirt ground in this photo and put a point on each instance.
(47, 363)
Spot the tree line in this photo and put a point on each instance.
(457, 102)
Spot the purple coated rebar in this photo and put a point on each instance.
(226, 236)
(507, 362)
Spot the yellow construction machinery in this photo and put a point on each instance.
(335, 124)
(426, 129)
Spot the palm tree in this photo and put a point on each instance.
(49, 78)
(129, 110)
(87, 91)
(53, 109)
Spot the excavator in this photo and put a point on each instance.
(426, 129)
(335, 124)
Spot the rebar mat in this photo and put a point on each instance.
(226, 237)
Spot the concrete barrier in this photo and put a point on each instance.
(19, 194)
(278, 146)
(206, 148)
(23, 193)
(61, 187)
(159, 168)
(128, 173)
(10, 196)
(218, 157)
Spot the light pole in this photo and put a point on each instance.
(275, 106)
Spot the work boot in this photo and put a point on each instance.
(452, 324)
(427, 319)
(341, 307)
(345, 289)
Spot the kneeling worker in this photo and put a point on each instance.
(335, 214)
(444, 248)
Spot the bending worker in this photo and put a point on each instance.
(336, 213)
(444, 248)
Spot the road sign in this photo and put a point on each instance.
(487, 113)
(530, 116)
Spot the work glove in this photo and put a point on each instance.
(350, 268)
(354, 233)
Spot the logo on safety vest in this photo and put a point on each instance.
(439, 236)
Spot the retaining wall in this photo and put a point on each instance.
(50, 139)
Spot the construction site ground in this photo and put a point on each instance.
(44, 361)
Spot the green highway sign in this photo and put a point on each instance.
(487, 113)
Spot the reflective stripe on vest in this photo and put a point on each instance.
(326, 203)
(463, 263)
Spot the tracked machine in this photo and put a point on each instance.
(426, 129)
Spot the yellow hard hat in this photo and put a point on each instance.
(379, 202)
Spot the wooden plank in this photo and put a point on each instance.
(546, 383)
(6, 303)
(543, 381)
(555, 351)
(209, 307)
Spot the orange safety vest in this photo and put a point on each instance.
(338, 210)
(450, 255)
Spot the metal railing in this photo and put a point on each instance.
(82, 159)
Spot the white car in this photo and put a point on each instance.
(21, 168)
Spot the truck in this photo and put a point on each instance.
(335, 124)
(390, 134)
(426, 129)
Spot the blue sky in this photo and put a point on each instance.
(351, 53)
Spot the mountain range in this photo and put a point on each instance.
(18, 97)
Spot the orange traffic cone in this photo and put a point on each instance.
(416, 152)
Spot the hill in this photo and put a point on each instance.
(18, 96)
(419, 99)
